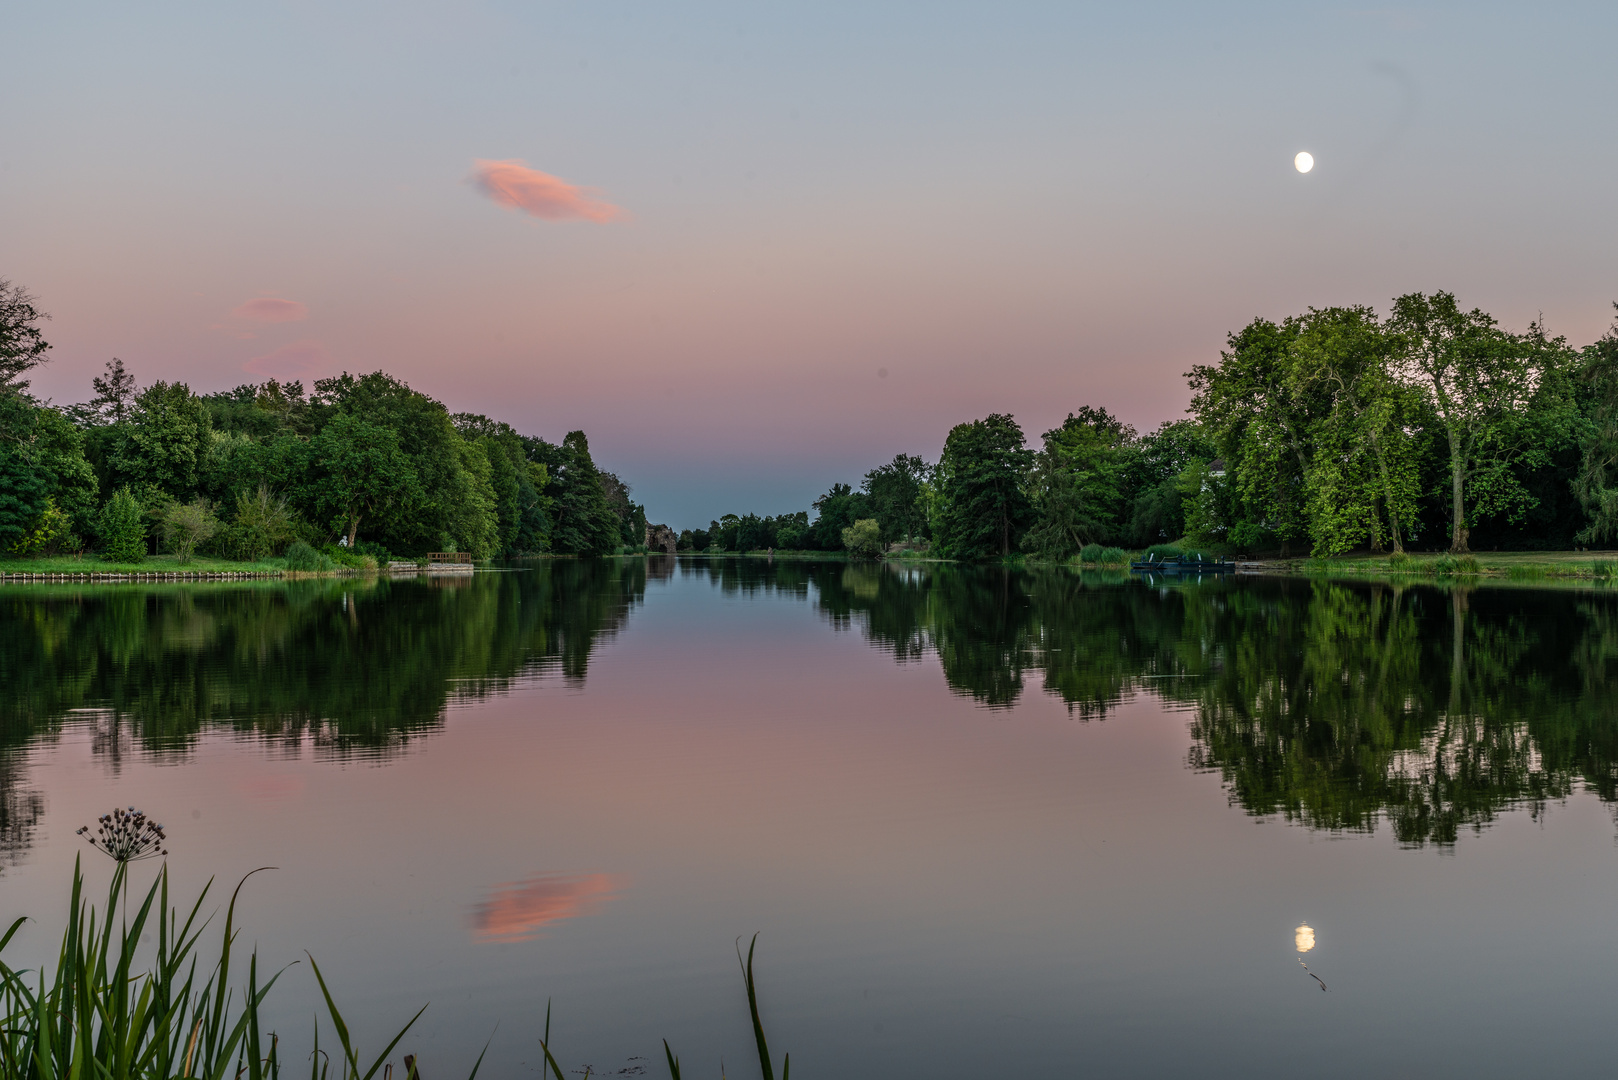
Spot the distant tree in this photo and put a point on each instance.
(835, 511)
(863, 539)
(1157, 509)
(792, 530)
(1597, 482)
(1262, 418)
(894, 491)
(1080, 481)
(22, 343)
(165, 440)
(115, 394)
(983, 506)
(122, 529)
(186, 525)
(582, 521)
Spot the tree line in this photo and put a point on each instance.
(1336, 429)
(361, 464)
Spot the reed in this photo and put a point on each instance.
(92, 1015)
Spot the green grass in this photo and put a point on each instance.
(154, 564)
(95, 1016)
(1526, 566)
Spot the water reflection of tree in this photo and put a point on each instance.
(1335, 705)
(353, 665)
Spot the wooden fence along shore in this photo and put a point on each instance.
(175, 575)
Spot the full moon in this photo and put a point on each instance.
(1303, 938)
(1304, 161)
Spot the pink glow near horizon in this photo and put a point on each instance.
(271, 309)
(295, 360)
(514, 185)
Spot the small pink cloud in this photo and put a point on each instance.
(513, 184)
(272, 309)
(292, 361)
(519, 910)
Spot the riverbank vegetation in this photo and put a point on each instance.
(1339, 429)
(354, 465)
(96, 1013)
(1334, 430)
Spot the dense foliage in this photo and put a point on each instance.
(358, 463)
(1328, 431)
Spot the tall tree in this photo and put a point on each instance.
(1597, 482)
(1080, 479)
(22, 343)
(115, 394)
(1497, 396)
(1364, 465)
(835, 511)
(162, 445)
(362, 474)
(894, 491)
(983, 505)
(1262, 418)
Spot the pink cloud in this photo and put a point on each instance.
(519, 910)
(513, 184)
(292, 361)
(272, 309)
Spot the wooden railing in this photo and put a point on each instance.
(449, 557)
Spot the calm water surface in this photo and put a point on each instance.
(986, 823)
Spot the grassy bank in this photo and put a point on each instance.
(155, 564)
(1509, 565)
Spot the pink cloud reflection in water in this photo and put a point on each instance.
(520, 910)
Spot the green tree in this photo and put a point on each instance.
(186, 525)
(894, 494)
(122, 528)
(1597, 482)
(42, 466)
(983, 503)
(115, 394)
(361, 473)
(1364, 462)
(1157, 504)
(1262, 417)
(582, 523)
(22, 343)
(263, 524)
(164, 441)
(863, 539)
(835, 511)
(1498, 398)
(1080, 483)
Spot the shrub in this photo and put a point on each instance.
(185, 525)
(1398, 561)
(305, 559)
(123, 533)
(863, 539)
(1164, 551)
(1112, 556)
(1468, 564)
(1604, 569)
(1090, 553)
(263, 524)
(50, 532)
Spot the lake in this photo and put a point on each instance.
(984, 822)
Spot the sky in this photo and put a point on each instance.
(755, 250)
